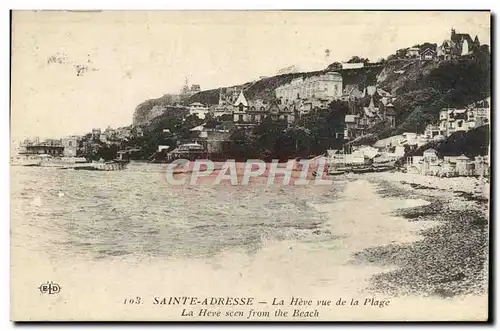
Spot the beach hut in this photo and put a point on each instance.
(481, 166)
(430, 155)
(430, 164)
(463, 166)
(448, 168)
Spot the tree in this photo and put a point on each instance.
(426, 45)
(417, 121)
(357, 59)
(463, 82)
(211, 122)
(243, 145)
(327, 127)
(298, 140)
(335, 66)
(91, 151)
(268, 134)
(226, 117)
(108, 153)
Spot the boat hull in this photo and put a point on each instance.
(111, 166)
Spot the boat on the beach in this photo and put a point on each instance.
(190, 151)
(61, 162)
(362, 170)
(26, 161)
(344, 169)
(336, 172)
(45, 160)
(30, 164)
(382, 167)
(100, 166)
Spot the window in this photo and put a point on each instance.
(262, 108)
(240, 107)
(252, 118)
(285, 117)
(240, 118)
(460, 124)
(70, 143)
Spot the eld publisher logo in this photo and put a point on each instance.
(49, 288)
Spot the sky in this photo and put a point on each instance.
(132, 56)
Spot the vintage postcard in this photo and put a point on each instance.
(250, 165)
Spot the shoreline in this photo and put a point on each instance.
(465, 184)
(451, 258)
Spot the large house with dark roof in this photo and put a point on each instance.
(252, 112)
(357, 124)
(459, 44)
(428, 53)
(474, 115)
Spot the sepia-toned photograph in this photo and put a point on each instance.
(250, 166)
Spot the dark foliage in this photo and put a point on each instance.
(314, 134)
(471, 143)
(357, 59)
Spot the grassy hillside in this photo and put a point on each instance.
(422, 89)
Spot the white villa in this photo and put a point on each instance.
(326, 86)
(452, 120)
(199, 109)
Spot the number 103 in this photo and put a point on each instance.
(132, 301)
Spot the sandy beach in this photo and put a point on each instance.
(383, 241)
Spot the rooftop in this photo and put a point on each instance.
(350, 118)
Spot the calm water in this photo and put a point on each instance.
(98, 215)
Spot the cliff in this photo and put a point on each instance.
(151, 108)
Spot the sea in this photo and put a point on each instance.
(136, 213)
(114, 237)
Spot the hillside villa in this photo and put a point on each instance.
(327, 86)
(357, 124)
(476, 114)
(459, 44)
(253, 112)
